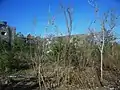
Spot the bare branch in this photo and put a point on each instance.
(113, 20)
(93, 3)
(68, 18)
(64, 11)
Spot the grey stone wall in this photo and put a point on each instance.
(7, 33)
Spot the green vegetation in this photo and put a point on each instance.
(52, 56)
(68, 62)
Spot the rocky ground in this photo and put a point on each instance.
(27, 81)
(18, 83)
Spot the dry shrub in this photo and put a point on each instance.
(70, 78)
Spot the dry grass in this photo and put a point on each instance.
(58, 77)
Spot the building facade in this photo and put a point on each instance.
(7, 33)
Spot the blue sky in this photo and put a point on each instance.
(22, 13)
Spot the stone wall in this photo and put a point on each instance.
(7, 33)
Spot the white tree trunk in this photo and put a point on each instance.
(101, 51)
(101, 67)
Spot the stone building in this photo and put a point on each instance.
(7, 33)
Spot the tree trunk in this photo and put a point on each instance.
(101, 67)
(101, 51)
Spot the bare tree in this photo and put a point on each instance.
(109, 19)
(69, 21)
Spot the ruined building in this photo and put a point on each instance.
(7, 32)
